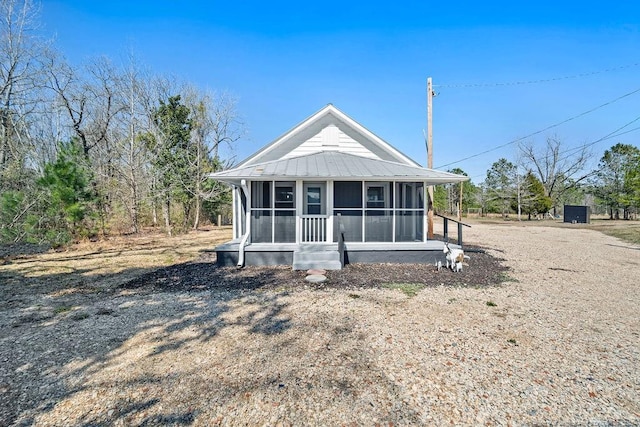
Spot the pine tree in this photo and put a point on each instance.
(170, 145)
(69, 208)
(500, 184)
(616, 182)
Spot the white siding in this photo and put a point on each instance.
(331, 138)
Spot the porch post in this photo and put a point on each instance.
(236, 212)
(425, 219)
(329, 212)
(392, 191)
(364, 208)
(299, 205)
(247, 208)
(446, 229)
(273, 211)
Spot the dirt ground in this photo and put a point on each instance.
(146, 331)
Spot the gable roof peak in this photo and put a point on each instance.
(319, 120)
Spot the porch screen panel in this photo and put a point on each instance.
(352, 221)
(347, 194)
(378, 225)
(409, 195)
(409, 219)
(261, 212)
(285, 227)
(261, 194)
(285, 213)
(347, 201)
(409, 226)
(261, 228)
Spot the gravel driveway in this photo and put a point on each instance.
(557, 343)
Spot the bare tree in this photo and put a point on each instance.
(88, 99)
(216, 126)
(131, 150)
(89, 103)
(113, 114)
(20, 75)
(559, 170)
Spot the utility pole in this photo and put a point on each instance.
(519, 206)
(429, 157)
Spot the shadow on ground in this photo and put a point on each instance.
(59, 328)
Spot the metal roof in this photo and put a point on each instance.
(335, 165)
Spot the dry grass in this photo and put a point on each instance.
(629, 231)
(108, 263)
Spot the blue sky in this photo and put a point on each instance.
(286, 60)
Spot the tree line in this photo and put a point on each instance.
(91, 149)
(542, 180)
(98, 148)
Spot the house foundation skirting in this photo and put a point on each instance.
(230, 258)
(282, 254)
(394, 257)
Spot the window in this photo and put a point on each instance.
(285, 195)
(314, 201)
(375, 196)
(378, 195)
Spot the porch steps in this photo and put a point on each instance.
(316, 258)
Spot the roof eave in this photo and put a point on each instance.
(235, 180)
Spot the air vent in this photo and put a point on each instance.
(330, 136)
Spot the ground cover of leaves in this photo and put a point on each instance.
(199, 275)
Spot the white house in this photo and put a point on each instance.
(328, 192)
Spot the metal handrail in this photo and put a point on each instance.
(341, 245)
(446, 228)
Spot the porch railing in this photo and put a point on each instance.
(341, 246)
(445, 226)
(314, 228)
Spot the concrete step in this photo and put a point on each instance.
(316, 256)
(326, 260)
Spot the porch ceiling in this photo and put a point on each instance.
(335, 165)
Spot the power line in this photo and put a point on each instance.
(528, 82)
(626, 132)
(610, 135)
(542, 130)
(570, 151)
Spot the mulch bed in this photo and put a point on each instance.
(203, 274)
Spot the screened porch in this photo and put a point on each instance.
(317, 211)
